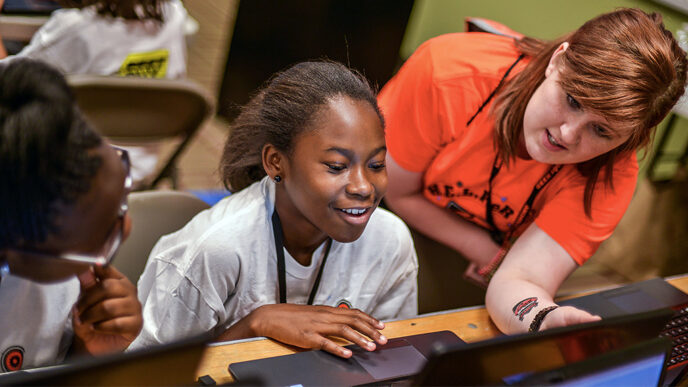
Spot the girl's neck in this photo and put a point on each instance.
(300, 236)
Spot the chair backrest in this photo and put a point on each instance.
(143, 110)
(153, 214)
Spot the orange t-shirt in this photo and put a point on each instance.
(427, 106)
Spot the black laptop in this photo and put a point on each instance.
(645, 296)
(171, 364)
(399, 359)
(508, 359)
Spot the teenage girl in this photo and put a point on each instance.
(300, 252)
(524, 150)
(62, 220)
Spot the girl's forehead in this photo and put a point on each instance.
(343, 123)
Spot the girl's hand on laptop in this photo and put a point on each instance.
(107, 317)
(309, 326)
(565, 316)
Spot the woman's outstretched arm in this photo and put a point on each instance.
(526, 283)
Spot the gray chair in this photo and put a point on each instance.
(136, 110)
(153, 214)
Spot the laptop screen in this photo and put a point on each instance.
(645, 372)
(639, 365)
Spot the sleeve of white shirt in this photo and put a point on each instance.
(184, 298)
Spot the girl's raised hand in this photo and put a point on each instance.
(309, 326)
(107, 317)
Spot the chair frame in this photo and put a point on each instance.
(144, 110)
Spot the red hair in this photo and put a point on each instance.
(623, 65)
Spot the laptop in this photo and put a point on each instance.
(645, 296)
(507, 359)
(399, 359)
(29, 7)
(639, 365)
(171, 364)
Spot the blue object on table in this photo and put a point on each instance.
(211, 196)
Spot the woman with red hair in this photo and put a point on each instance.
(532, 144)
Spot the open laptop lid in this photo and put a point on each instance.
(494, 361)
(639, 365)
(637, 297)
(164, 365)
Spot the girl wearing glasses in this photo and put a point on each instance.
(300, 252)
(524, 150)
(63, 217)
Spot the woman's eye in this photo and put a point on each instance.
(572, 101)
(377, 166)
(335, 167)
(600, 131)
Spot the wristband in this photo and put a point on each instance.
(537, 320)
(488, 270)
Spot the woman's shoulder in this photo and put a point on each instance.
(469, 54)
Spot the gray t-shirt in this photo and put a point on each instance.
(222, 265)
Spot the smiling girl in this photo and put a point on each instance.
(524, 150)
(300, 252)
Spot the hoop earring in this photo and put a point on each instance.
(278, 178)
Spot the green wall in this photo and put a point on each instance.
(537, 18)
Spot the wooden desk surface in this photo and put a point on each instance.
(470, 324)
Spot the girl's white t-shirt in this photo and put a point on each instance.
(222, 265)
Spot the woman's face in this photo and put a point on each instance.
(335, 176)
(557, 130)
(84, 226)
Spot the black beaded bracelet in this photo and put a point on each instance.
(537, 320)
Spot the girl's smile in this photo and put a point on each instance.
(356, 216)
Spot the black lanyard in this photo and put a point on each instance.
(281, 268)
(497, 235)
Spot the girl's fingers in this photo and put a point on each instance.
(125, 326)
(363, 323)
(360, 315)
(345, 331)
(329, 346)
(108, 309)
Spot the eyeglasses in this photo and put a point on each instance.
(115, 236)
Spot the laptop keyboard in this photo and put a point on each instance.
(677, 330)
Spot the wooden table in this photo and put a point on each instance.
(470, 324)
